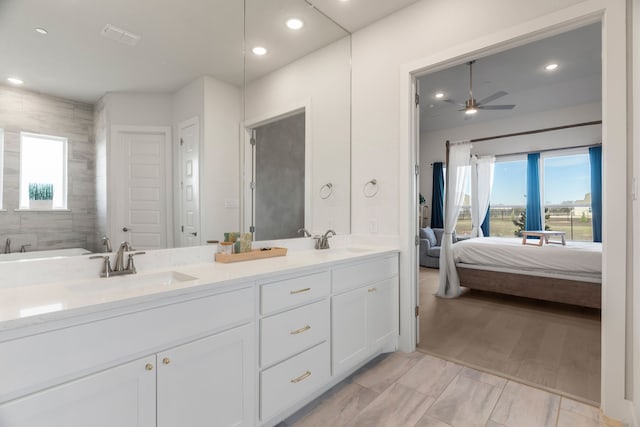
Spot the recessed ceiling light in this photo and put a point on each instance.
(439, 95)
(15, 80)
(295, 23)
(42, 31)
(551, 67)
(470, 111)
(259, 50)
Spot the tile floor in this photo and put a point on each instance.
(419, 390)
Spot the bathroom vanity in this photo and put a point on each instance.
(210, 344)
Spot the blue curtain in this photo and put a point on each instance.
(437, 197)
(595, 161)
(486, 224)
(534, 217)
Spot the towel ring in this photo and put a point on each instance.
(326, 191)
(370, 188)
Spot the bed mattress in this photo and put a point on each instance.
(583, 259)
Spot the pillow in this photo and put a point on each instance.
(427, 233)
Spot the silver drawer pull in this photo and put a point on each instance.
(373, 289)
(301, 377)
(301, 330)
(299, 291)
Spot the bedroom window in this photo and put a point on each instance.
(566, 192)
(43, 172)
(508, 195)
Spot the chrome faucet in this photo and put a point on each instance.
(107, 242)
(23, 248)
(322, 242)
(305, 232)
(119, 268)
(7, 246)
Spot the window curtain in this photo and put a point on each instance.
(481, 183)
(457, 175)
(486, 224)
(595, 161)
(437, 197)
(534, 211)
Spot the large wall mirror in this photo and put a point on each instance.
(297, 115)
(139, 105)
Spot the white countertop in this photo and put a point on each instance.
(36, 304)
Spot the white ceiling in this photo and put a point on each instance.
(520, 72)
(180, 40)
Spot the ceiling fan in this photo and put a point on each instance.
(471, 106)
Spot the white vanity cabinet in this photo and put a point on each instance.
(294, 340)
(364, 311)
(200, 366)
(207, 380)
(123, 396)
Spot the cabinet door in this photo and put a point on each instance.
(349, 329)
(382, 300)
(208, 382)
(124, 396)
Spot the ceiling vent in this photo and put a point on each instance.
(118, 34)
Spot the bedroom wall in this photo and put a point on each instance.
(421, 36)
(432, 144)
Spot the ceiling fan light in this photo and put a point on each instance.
(551, 67)
(471, 111)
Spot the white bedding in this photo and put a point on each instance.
(579, 258)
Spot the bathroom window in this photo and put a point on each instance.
(43, 172)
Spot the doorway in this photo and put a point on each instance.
(189, 183)
(531, 341)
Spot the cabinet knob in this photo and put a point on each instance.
(373, 289)
(166, 360)
(148, 367)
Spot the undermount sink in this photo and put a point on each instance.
(132, 282)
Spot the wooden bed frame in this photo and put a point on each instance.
(586, 294)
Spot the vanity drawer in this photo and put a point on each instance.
(293, 380)
(288, 333)
(291, 292)
(356, 275)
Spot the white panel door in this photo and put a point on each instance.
(208, 382)
(189, 156)
(143, 187)
(124, 396)
(348, 329)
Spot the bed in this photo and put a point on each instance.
(570, 274)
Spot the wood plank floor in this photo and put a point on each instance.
(419, 390)
(548, 345)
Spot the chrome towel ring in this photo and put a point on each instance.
(326, 191)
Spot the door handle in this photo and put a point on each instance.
(195, 233)
(126, 229)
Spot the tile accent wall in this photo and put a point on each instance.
(25, 111)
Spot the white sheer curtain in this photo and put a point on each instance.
(481, 183)
(457, 175)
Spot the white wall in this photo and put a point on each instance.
(432, 144)
(138, 109)
(220, 178)
(439, 33)
(321, 79)
(636, 211)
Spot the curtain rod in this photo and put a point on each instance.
(531, 132)
(548, 150)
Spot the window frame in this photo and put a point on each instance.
(65, 170)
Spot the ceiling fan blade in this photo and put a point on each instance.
(451, 101)
(497, 107)
(493, 97)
